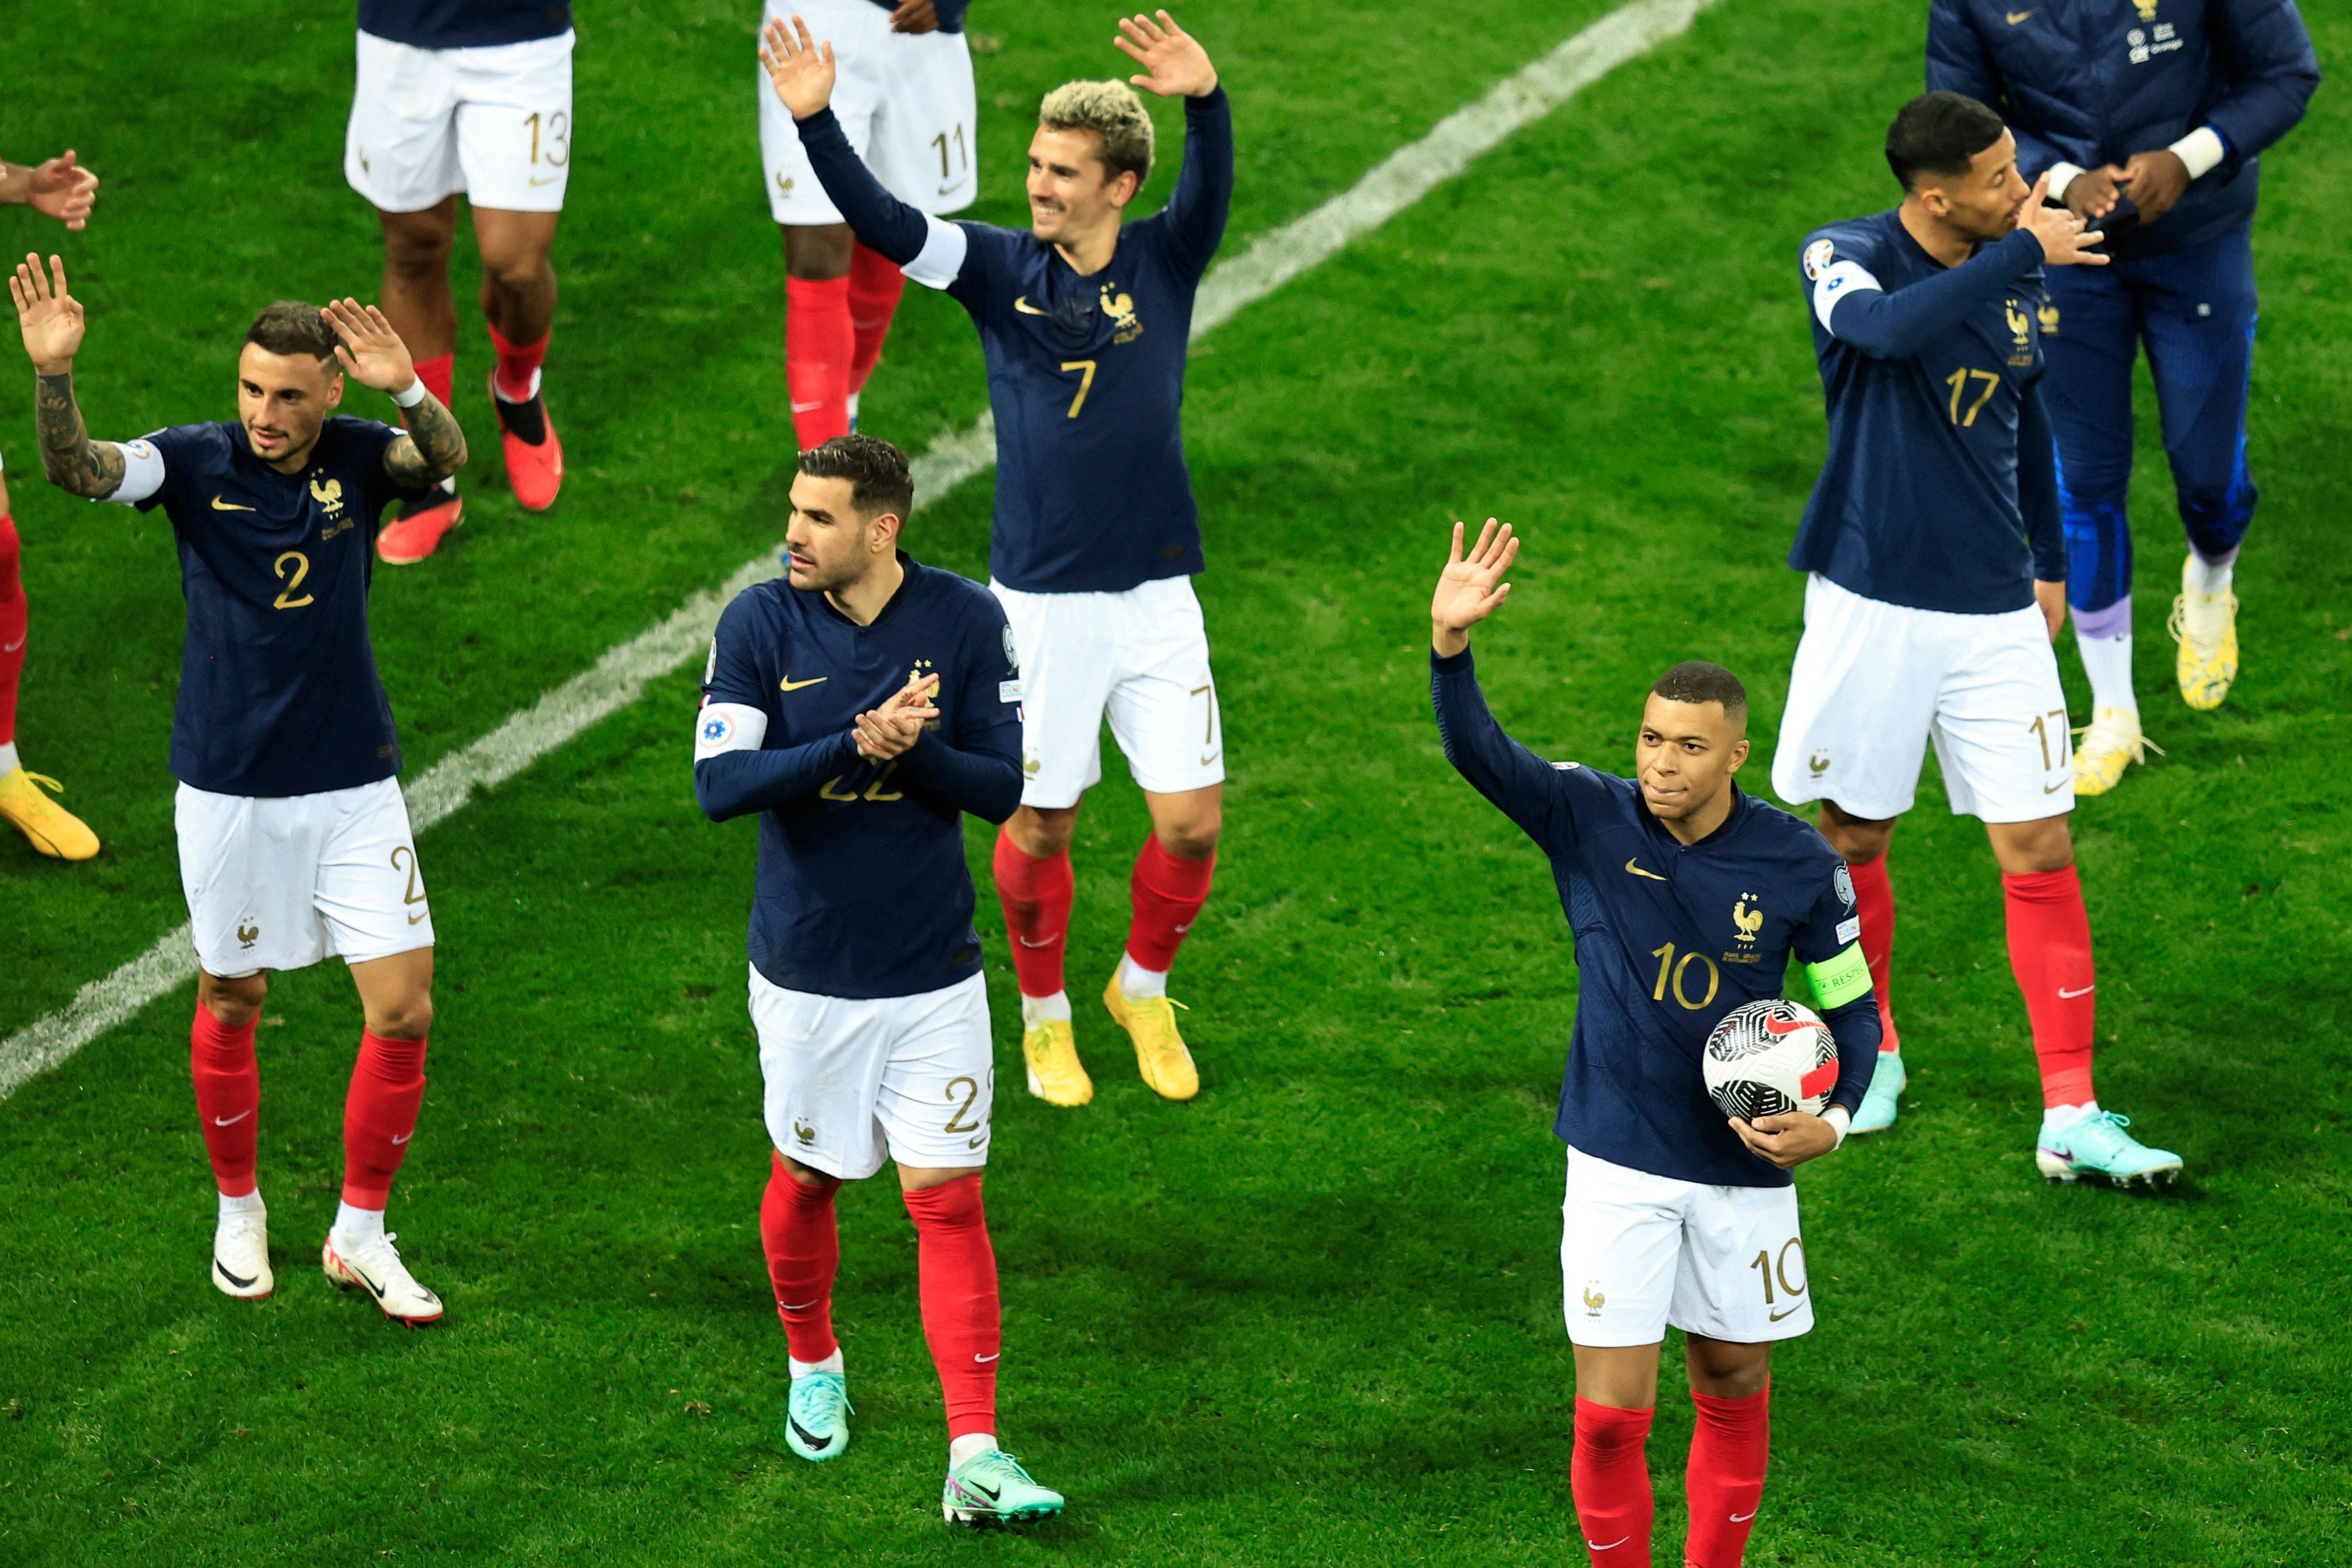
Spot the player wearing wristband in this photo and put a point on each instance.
(862, 704)
(2187, 94)
(1084, 320)
(63, 190)
(1935, 582)
(906, 102)
(471, 96)
(294, 839)
(1687, 899)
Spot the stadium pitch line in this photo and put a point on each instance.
(619, 678)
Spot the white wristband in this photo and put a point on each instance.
(1837, 1116)
(2202, 151)
(413, 396)
(2061, 176)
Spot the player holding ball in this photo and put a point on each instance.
(1687, 897)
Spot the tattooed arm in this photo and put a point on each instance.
(51, 320)
(373, 355)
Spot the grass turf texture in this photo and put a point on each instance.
(1313, 1316)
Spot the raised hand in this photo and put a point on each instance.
(1174, 64)
(799, 68)
(63, 190)
(1469, 588)
(2064, 241)
(50, 318)
(370, 351)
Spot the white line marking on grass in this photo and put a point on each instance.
(619, 678)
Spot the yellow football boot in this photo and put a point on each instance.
(1160, 1053)
(1055, 1074)
(55, 831)
(2206, 628)
(2112, 743)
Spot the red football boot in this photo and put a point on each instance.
(534, 456)
(417, 532)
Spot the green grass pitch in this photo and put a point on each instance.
(1314, 1317)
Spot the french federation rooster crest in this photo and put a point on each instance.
(1749, 921)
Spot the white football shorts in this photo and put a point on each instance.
(281, 882)
(850, 1083)
(1638, 1252)
(1874, 682)
(493, 122)
(906, 102)
(1139, 658)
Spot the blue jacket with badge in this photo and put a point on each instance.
(2091, 82)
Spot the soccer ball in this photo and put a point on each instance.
(1769, 1057)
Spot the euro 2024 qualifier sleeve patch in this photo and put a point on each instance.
(1818, 257)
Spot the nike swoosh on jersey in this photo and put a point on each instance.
(1639, 872)
(2014, 18)
(222, 504)
(789, 684)
(1021, 303)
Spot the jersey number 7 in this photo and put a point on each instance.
(1086, 382)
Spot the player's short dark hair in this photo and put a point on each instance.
(879, 479)
(1697, 681)
(293, 327)
(1939, 133)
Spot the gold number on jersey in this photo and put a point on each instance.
(416, 895)
(1670, 974)
(2042, 732)
(1959, 382)
(285, 600)
(831, 789)
(956, 1123)
(559, 138)
(1085, 367)
(963, 158)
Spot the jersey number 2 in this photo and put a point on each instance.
(301, 569)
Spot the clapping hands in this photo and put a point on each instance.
(890, 732)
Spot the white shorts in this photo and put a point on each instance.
(282, 882)
(1638, 1252)
(1139, 658)
(911, 1079)
(493, 122)
(1874, 682)
(905, 100)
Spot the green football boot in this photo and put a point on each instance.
(817, 1418)
(2097, 1146)
(1878, 1105)
(991, 1491)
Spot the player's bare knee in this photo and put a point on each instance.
(1860, 839)
(417, 244)
(806, 1175)
(405, 1016)
(1195, 838)
(1042, 833)
(817, 253)
(1723, 1370)
(235, 1003)
(2023, 848)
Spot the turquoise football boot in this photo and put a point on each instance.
(817, 1418)
(2097, 1146)
(1878, 1105)
(991, 1491)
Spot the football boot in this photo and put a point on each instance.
(816, 1416)
(241, 1255)
(53, 830)
(2098, 1146)
(1160, 1053)
(1050, 1049)
(989, 1491)
(2206, 628)
(2111, 743)
(374, 1266)
(534, 455)
(1878, 1104)
(418, 531)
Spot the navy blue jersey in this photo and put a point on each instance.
(1669, 938)
(464, 23)
(2091, 82)
(278, 693)
(1085, 374)
(862, 890)
(1939, 491)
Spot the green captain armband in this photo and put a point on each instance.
(1838, 981)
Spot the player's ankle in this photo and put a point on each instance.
(831, 1364)
(1136, 983)
(1036, 1010)
(970, 1443)
(355, 1227)
(249, 1203)
(2058, 1118)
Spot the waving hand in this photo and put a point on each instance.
(799, 68)
(1174, 64)
(1469, 588)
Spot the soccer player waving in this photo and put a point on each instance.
(1936, 581)
(1082, 320)
(1687, 898)
(861, 704)
(294, 839)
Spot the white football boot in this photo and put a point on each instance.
(241, 1255)
(374, 1266)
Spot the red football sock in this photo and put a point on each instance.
(818, 342)
(228, 1098)
(874, 285)
(1037, 896)
(961, 1321)
(2050, 952)
(438, 375)
(1729, 1448)
(11, 627)
(1874, 905)
(380, 1116)
(804, 1248)
(1168, 894)
(1609, 1477)
(517, 372)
